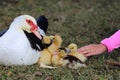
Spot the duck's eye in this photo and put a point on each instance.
(29, 21)
(31, 24)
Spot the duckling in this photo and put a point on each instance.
(64, 59)
(57, 58)
(46, 56)
(73, 48)
(47, 53)
(74, 59)
(57, 40)
(56, 43)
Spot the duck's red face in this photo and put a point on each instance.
(34, 28)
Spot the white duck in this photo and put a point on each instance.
(15, 48)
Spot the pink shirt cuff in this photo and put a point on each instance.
(112, 42)
(107, 43)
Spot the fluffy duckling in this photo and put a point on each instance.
(57, 58)
(56, 43)
(64, 59)
(73, 48)
(46, 56)
(74, 59)
(57, 40)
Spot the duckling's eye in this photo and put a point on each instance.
(72, 47)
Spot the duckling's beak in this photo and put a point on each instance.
(67, 50)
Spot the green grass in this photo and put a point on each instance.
(77, 21)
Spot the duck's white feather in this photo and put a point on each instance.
(15, 48)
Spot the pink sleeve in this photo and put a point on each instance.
(112, 42)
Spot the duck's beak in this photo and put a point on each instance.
(35, 30)
(37, 34)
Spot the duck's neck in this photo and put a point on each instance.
(35, 42)
(13, 34)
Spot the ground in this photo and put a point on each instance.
(77, 21)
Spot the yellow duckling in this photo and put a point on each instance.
(46, 56)
(63, 58)
(56, 43)
(73, 48)
(57, 58)
(74, 59)
(57, 40)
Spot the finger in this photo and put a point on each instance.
(79, 50)
(88, 54)
(83, 49)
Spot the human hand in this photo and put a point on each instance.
(92, 49)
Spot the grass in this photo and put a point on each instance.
(77, 21)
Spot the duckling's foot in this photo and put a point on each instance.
(45, 66)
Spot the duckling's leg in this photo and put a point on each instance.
(45, 66)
